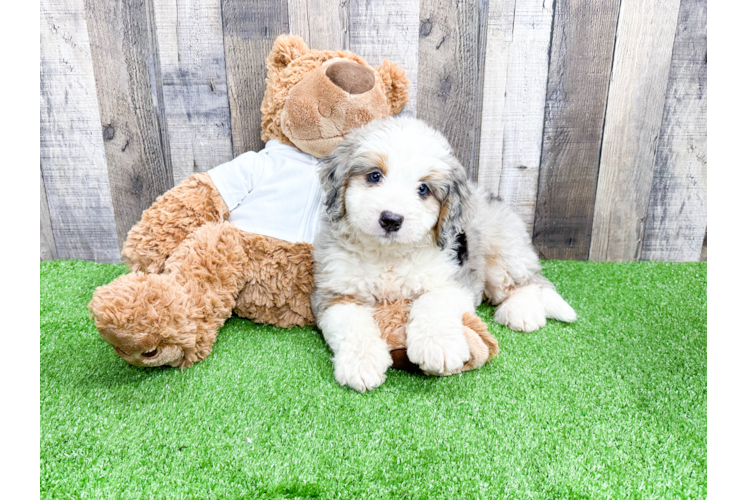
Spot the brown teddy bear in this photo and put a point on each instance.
(238, 238)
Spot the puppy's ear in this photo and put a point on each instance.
(456, 208)
(285, 49)
(333, 177)
(396, 85)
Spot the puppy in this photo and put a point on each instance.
(402, 221)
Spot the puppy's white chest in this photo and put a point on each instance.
(392, 282)
(405, 276)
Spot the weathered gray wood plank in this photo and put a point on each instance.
(579, 74)
(72, 156)
(527, 75)
(451, 53)
(388, 29)
(676, 217)
(48, 251)
(702, 257)
(641, 64)
(249, 30)
(499, 38)
(322, 24)
(125, 63)
(195, 92)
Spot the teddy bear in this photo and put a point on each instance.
(237, 239)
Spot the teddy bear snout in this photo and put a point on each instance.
(350, 76)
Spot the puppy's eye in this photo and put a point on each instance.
(374, 177)
(423, 190)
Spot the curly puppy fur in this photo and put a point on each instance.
(403, 222)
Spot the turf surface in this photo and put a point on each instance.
(612, 406)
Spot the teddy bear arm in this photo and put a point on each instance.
(174, 215)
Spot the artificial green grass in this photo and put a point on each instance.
(612, 406)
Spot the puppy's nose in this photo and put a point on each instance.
(351, 76)
(390, 222)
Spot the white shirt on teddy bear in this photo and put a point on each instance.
(274, 192)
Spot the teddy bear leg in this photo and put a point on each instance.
(211, 267)
(174, 215)
(483, 346)
(391, 316)
(185, 305)
(147, 319)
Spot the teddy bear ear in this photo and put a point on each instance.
(396, 85)
(285, 49)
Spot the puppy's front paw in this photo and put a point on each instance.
(362, 369)
(523, 311)
(439, 353)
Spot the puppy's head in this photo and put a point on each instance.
(396, 180)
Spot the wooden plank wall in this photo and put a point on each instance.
(577, 93)
(127, 84)
(73, 162)
(189, 36)
(675, 227)
(588, 117)
(388, 30)
(451, 56)
(636, 99)
(527, 75)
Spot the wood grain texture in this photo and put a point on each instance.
(451, 55)
(641, 65)
(322, 24)
(195, 92)
(48, 250)
(588, 118)
(388, 29)
(249, 30)
(527, 75)
(702, 257)
(500, 28)
(72, 157)
(126, 68)
(578, 78)
(676, 217)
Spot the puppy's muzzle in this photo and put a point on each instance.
(390, 222)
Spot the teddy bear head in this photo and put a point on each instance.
(314, 97)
